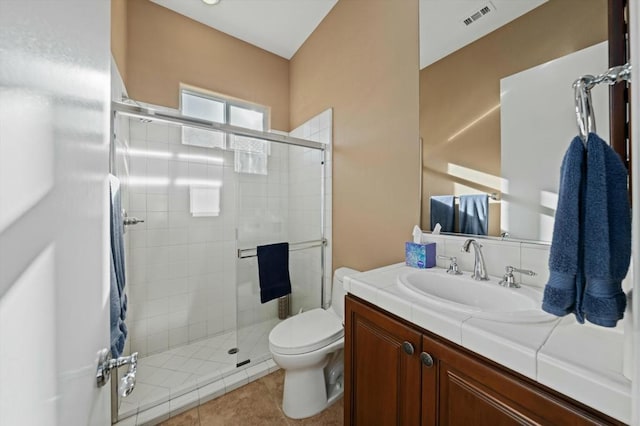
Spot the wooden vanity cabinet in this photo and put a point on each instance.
(383, 368)
(397, 374)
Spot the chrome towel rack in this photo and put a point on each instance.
(585, 116)
(303, 245)
(492, 195)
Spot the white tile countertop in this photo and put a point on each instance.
(583, 362)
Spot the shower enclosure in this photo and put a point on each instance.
(194, 313)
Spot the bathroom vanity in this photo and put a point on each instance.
(399, 371)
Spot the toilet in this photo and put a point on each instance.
(309, 348)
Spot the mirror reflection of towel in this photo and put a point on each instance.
(273, 271)
(474, 214)
(443, 212)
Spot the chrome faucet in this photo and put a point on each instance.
(479, 268)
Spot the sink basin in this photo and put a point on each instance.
(481, 299)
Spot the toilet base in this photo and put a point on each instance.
(305, 394)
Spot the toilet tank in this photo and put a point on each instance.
(337, 292)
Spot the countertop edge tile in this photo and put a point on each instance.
(559, 376)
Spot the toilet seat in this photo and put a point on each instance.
(306, 332)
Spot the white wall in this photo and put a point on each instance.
(54, 271)
(537, 123)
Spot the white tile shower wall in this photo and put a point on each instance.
(305, 168)
(497, 255)
(182, 269)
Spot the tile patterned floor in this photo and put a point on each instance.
(165, 376)
(258, 403)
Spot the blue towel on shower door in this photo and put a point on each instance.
(118, 298)
(443, 212)
(607, 239)
(273, 271)
(474, 214)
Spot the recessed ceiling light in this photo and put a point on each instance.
(211, 1)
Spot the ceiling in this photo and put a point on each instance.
(282, 26)
(442, 28)
(279, 26)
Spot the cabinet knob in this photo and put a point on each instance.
(407, 348)
(426, 359)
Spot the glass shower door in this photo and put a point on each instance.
(281, 203)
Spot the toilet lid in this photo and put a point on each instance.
(306, 332)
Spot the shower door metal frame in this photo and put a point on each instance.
(168, 117)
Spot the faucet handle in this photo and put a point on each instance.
(453, 265)
(508, 280)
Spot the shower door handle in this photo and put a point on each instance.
(106, 363)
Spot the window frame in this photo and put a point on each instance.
(228, 102)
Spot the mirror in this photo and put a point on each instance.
(465, 147)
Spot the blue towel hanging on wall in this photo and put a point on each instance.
(273, 271)
(118, 298)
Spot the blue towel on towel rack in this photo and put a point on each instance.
(607, 234)
(563, 291)
(591, 246)
(474, 214)
(273, 271)
(118, 298)
(443, 212)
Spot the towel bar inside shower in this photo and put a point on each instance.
(302, 245)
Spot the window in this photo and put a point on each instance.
(250, 154)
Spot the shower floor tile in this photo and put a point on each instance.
(178, 371)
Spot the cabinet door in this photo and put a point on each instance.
(382, 368)
(461, 389)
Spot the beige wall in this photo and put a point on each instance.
(165, 49)
(362, 61)
(460, 94)
(119, 35)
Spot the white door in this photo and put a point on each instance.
(54, 112)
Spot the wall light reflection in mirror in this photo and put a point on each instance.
(473, 122)
(481, 178)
